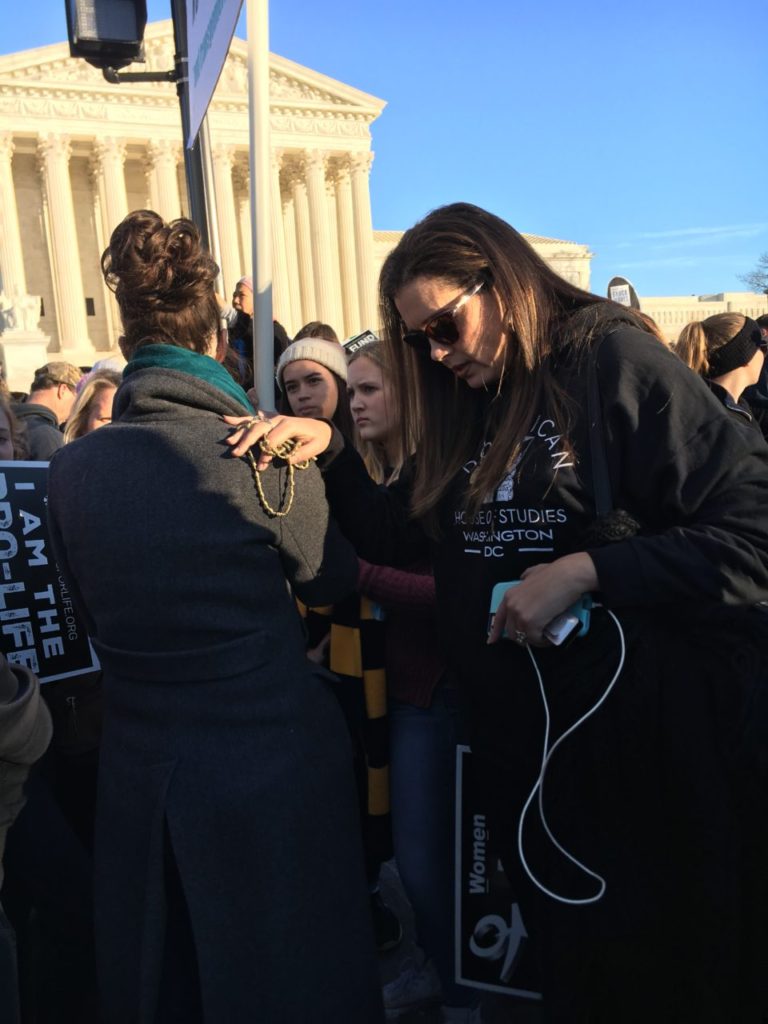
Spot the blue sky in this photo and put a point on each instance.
(639, 130)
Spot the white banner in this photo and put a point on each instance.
(210, 27)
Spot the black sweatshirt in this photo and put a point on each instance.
(697, 484)
(662, 791)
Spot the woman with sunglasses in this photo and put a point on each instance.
(639, 867)
(728, 350)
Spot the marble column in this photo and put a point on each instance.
(231, 269)
(325, 274)
(345, 222)
(108, 163)
(360, 166)
(242, 180)
(298, 185)
(54, 152)
(333, 255)
(291, 250)
(101, 229)
(161, 163)
(14, 281)
(281, 295)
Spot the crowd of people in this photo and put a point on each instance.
(510, 515)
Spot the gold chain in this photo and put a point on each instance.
(281, 451)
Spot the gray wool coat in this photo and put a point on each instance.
(229, 879)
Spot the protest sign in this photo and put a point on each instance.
(493, 950)
(622, 291)
(38, 624)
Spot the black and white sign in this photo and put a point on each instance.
(359, 341)
(38, 624)
(622, 291)
(492, 945)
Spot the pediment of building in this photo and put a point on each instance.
(50, 71)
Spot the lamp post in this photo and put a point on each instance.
(110, 36)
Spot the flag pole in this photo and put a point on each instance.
(260, 143)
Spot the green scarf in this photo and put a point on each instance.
(171, 357)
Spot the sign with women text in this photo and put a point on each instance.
(492, 944)
(38, 624)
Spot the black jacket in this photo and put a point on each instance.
(41, 428)
(662, 791)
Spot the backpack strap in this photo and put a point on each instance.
(601, 480)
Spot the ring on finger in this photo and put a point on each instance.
(521, 637)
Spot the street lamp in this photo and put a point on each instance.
(109, 34)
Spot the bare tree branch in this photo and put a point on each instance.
(757, 279)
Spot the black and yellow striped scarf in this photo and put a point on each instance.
(356, 659)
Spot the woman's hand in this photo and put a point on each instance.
(311, 437)
(319, 654)
(544, 592)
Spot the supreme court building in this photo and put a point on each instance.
(77, 154)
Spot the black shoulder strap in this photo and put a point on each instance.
(601, 481)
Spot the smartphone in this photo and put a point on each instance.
(560, 628)
(497, 594)
(572, 623)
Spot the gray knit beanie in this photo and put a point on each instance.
(328, 353)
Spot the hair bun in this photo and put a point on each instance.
(159, 264)
(159, 270)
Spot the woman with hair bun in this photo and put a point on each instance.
(229, 878)
(728, 351)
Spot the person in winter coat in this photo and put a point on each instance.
(561, 451)
(51, 397)
(25, 732)
(728, 350)
(229, 876)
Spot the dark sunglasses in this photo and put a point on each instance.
(441, 328)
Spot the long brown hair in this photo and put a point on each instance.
(698, 339)
(541, 313)
(163, 281)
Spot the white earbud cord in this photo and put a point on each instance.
(539, 784)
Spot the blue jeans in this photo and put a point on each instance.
(422, 791)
